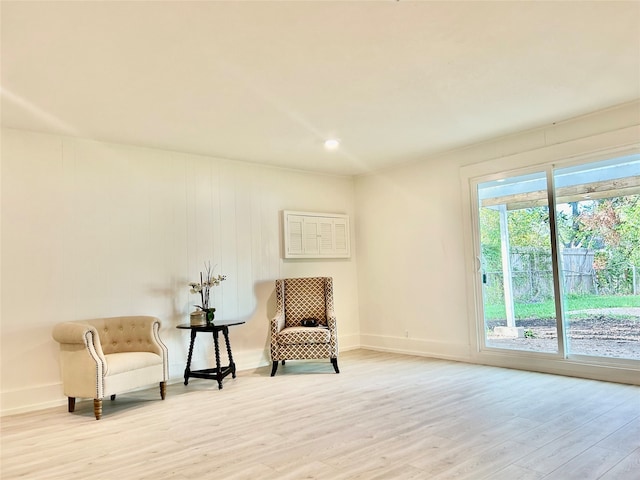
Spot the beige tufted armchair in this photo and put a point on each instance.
(106, 356)
(298, 299)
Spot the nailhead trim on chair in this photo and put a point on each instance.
(99, 364)
(165, 350)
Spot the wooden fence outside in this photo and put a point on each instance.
(532, 276)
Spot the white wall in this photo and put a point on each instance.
(93, 229)
(412, 277)
(415, 263)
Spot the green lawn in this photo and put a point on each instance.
(574, 302)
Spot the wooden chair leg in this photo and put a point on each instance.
(97, 408)
(334, 361)
(163, 390)
(71, 402)
(274, 367)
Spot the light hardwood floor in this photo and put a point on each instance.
(384, 416)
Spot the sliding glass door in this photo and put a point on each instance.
(563, 280)
(517, 280)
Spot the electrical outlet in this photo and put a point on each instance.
(406, 333)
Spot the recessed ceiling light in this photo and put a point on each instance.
(332, 144)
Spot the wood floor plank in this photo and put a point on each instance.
(593, 462)
(513, 472)
(558, 452)
(626, 469)
(486, 463)
(625, 439)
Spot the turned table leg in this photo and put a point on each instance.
(97, 408)
(216, 344)
(187, 370)
(232, 365)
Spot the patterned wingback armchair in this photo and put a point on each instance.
(106, 356)
(301, 299)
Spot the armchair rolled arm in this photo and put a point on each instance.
(80, 334)
(73, 332)
(82, 360)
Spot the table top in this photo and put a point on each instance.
(217, 324)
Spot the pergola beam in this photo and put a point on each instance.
(574, 193)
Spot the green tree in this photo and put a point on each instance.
(529, 227)
(571, 233)
(629, 227)
(614, 229)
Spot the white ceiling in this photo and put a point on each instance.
(268, 82)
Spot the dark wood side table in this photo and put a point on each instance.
(219, 372)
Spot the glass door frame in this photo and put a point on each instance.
(480, 314)
(558, 294)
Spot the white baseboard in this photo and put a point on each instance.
(412, 346)
(581, 368)
(618, 373)
(348, 342)
(32, 398)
